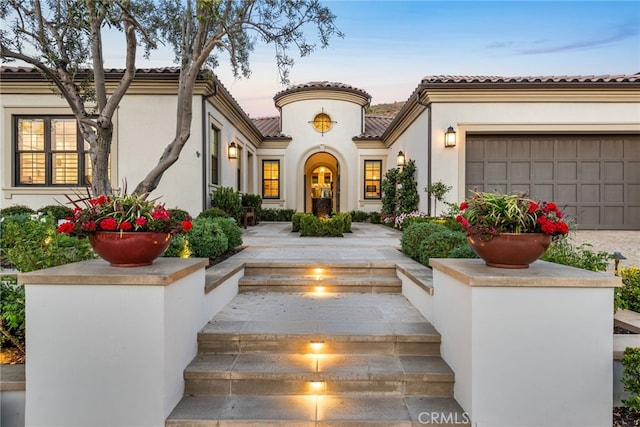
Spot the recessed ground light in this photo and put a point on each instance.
(317, 345)
(316, 385)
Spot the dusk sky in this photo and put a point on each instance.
(389, 46)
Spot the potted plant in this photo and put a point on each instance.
(510, 230)
(127, 230)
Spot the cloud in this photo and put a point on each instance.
(623, 32)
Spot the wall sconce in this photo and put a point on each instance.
(450, 137)
(401, 160)
(233, 150)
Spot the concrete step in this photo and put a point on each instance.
(317, 411)
(320, 374)
(313, 337)
(335, 278)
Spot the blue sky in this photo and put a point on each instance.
(390, 45)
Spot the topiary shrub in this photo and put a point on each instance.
(206, 239)
(231, 230)
(413, 235)
(440, 244)
(345, 219)
(56, 211)
(628, 295)
(16, 210)
(295, 221)
(271, 214)
(229, 200)
(312, 226)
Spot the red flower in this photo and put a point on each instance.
(464, 205)
(89, 225)
(533, 207)
(108, 224)
(100, 200)
(550, 207)
(140, 221)
(186, 225)
(65, 227)
(125, 226)
(160, 213)
(562, 228)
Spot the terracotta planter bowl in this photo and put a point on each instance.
(129, 249)
(511, 250)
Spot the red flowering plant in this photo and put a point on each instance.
(488, 214)
(125, 212)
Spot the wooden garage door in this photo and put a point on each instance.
(594, 178)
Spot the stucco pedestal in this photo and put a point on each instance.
(528, 347)
(107, 346)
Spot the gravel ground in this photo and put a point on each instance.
(625, 242)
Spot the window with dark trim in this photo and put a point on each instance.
(214, 150)
(271, 179)
(372, 179)
(50, 151)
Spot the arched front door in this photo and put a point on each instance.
(322, 184)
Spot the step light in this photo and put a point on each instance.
(316, 385)
(317, 345)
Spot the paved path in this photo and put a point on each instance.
(374, 242)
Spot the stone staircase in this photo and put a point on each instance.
(290, 350)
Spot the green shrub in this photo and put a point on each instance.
(213, 213)
(463, 251)
(389, 190)
(206, 239)
(440, 244)
(415, 220)
(311, 225)
(179, 214)
(345, 219)
(375, 218)
(230, 229)
(563, 252)
(628, 296)
(34, 244)
(631, 376)
(413, 235)
(295, 221)
(12, 313)
(271, 214)
(178, 248)
(56, 211)
(227, 199)
(16, 210)
(359, 216)
(407, 193)
(252, 200)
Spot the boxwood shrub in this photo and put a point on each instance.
(231, 230)
(311, 225)
(271, 214)
(206, 238)
(441, 244)
(56, 211)
(415, 234)
(295, 221)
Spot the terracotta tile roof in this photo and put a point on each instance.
(269, 127)
(631, 78)
(324, 85)
(374, 126)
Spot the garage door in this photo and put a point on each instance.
(594, 178)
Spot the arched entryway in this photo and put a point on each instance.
(322, 184)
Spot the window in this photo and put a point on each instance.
(49, 150)
(271, 179)
(214, 150)
(372, 178)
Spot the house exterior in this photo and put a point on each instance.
(573, 140)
